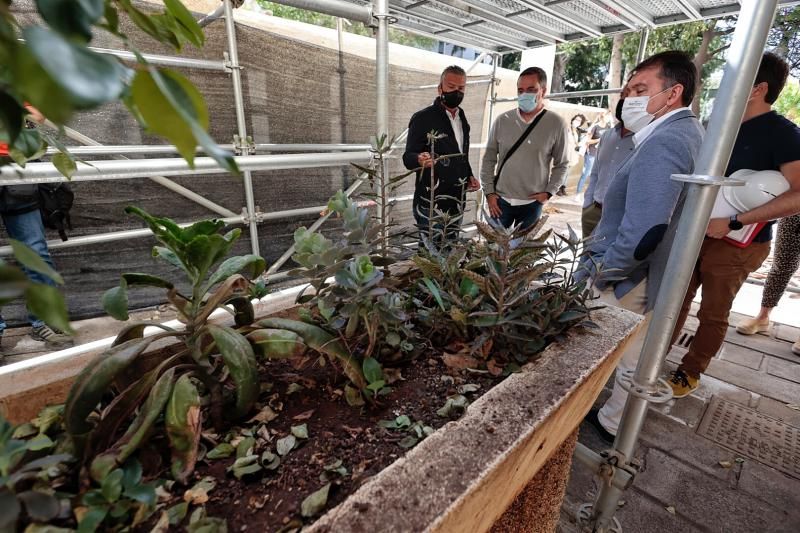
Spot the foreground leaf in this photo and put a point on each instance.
(182, 421)
(315, 502)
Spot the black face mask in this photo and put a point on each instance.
(618, 112)
(452, 99)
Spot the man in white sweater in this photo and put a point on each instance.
(527, 156)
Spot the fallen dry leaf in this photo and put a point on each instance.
(304, 416)
(196, 496)
(392, 375)
(793, 406)
(265, 415)
(493, 368)
(459, 361)
(725, 464)
(670, 509)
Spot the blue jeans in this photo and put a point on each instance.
(522, 215)
(28, 229)
(588, 163)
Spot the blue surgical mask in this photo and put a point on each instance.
(527, 102)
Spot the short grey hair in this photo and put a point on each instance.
(452, 69)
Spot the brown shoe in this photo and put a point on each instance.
(751, 326)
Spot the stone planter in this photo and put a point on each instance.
(502, 466)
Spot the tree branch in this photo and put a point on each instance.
(718, 50)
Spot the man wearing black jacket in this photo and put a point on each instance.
(453, 175)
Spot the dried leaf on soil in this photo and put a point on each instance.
(294, 387)
(220, 451)
(725, 464)
(315, 502)
(301, 431)
(468, 387)
(459, 361)
(454, 406)
(304, 415)
(198, 494)
(286, 444)
(670, 509)
(265, 415)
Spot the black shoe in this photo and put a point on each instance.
(607, 436)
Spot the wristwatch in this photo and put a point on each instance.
(734, 223)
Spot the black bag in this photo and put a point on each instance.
(516, 145)
(55, 201)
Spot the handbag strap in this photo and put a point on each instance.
(517, 145)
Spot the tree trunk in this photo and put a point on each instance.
(615, 69)
(559, 66)
(700, 59)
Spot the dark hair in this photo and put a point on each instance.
(580, 116)
(452, 69)
(773, 71)
(540, 74)
(675, 67)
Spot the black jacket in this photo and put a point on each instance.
(449, 173)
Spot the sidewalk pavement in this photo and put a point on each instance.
(688, 482)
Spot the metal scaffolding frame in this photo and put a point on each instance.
(616, 466)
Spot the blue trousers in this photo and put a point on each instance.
(522, 215)
(588, 163)
(28, 229)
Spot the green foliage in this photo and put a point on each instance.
(29, 475)
(788, 103)
(52, 67)
(487, 295)
(328, 21)
(118, 499)
(211, 359)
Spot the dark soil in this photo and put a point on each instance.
(271, 501)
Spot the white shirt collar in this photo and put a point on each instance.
(644, 133)
(458, 129)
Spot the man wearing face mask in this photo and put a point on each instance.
(616, 146)
(527, 156)
(766, 141)
(626, 256)
(453, 175)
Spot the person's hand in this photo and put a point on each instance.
(493, 200)
(718, 228)
(425, 160)
(34, 114)
(473, 184)
(540, 197)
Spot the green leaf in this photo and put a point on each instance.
(241, 362)
(28, 145)
(111, 486)
(276, 343)
(315, 502)
(135, 330)
(254, 264)
(301, 431)
(245, 466)
(132, 474)
(323, 342)
(182, 421)
(353, 396)
(245, 447)
(73, 19)
(115, 301)
(65, 164)
(270, 461)
(569, 316)
(88, 78)
(193, 33)
(9, 510)
(454, 406)
(221, 451)
(90, 522)
(372, 370)
(11, 115)
(177, 513)
(33, 261)
(40, 442)
(434, 292)
(159, 111)
(408, 442)
(47, 303)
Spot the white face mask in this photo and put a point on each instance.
(634, 112)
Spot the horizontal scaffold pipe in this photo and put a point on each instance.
(166, 61)
(149, 149)
(144, 168)
(336, 8)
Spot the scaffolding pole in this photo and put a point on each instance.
(165, 61)
(744, 57)
(155, 149)
(644, 35)
(241, 124)
(335, 8)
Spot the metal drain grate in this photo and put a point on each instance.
(753, 434)
(685, 339)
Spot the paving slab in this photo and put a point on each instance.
(787, 333)
(741, 356)
(687, 411)
(709, 502)
(760, 383)
(762, 343)
(784, 369)
(760, 480)
(779, 410)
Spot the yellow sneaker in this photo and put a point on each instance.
(682, 384)
(751, 326)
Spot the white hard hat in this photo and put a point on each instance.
(759, 188)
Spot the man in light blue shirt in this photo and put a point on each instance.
(616, 145)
